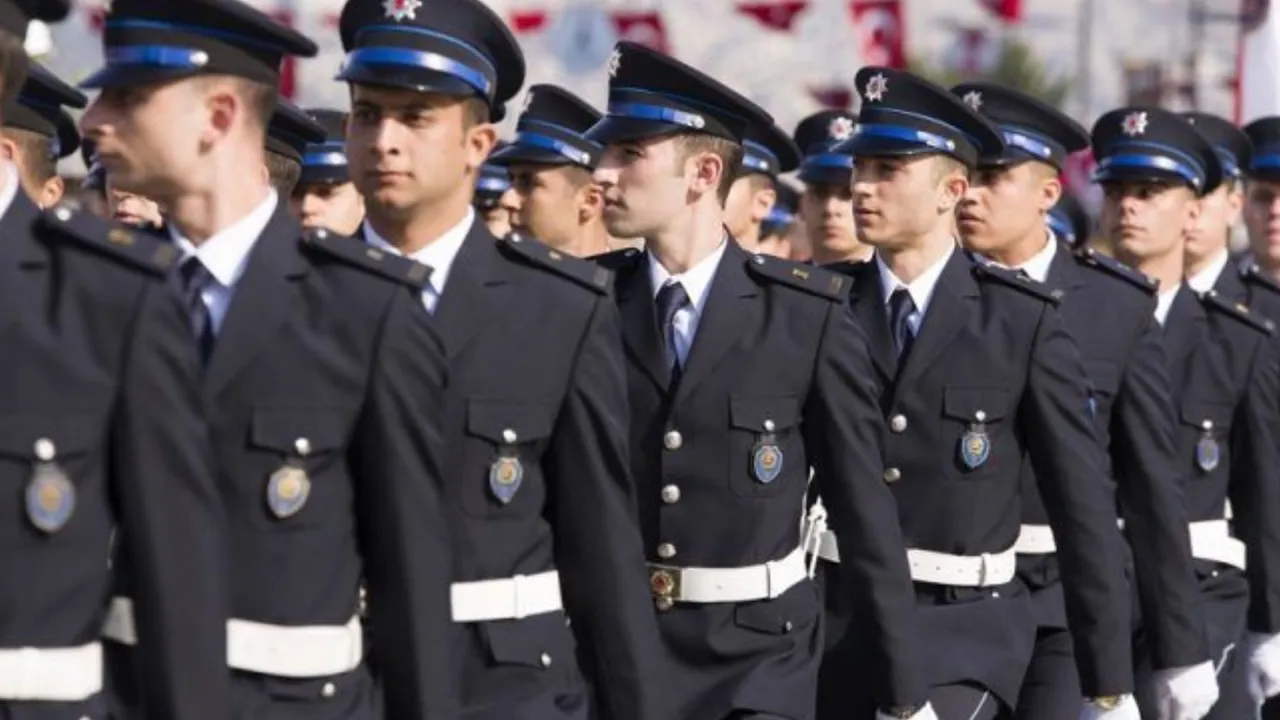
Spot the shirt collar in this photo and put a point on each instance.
(439, 255)
(696, 280)
(1037, 266)
(1203, 281)
(11, 185)
(1164, 303)
(921, 289)
(226, 253)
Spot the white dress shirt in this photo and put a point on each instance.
(225, 255)
(697, 283)
(920, 289)
(439, 255)
(1164, 303)
(1037, 266)
(1203, 281)
(10, 190)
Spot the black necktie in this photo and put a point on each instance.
(194, 278)
(901, 306)
(671, 298)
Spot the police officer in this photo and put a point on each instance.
(325, 197)
(536, 412)
(290, 132)
(322, 375)
(779, 225)
(1262, 196)
(1155, 169)
(1209, 267)
(767, 153)
(39, 133)
(1003, 218)
(550, 164)
(977, 374)
(826, 203)
(711, 327)
(496, 197)
(102, 432)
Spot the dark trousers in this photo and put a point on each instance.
(966, 702)
(1051, 690)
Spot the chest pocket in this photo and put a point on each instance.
(766, 450)
(70, 500)
(1209, 423)
(299, 476)
(976, 416)
(503, 470)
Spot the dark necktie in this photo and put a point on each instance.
(671, 298)
(901, 307)
(194, 278)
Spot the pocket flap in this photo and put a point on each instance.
(71, 434)
(794, 609)
(537, 641)
(753, 413)
(499, 420)
(1197, 412)
(281, 429)
(965, 403)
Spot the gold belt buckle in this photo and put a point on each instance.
(664, 583)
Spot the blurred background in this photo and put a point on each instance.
(798, 56)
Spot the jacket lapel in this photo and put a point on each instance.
(1183, 330)
(1229, 286)
(1064, 272)
(730, 308)
(866, 300)
(946, 315)
(24, 261)
(466, 304)
(640, 323)
(262, 301)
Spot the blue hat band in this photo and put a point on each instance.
(1266, 161)
(1163, 163)
(419, 60)
(493, 184)
(1061, 226)
(161, 56)
(1027, 143)
(759, 158)
(906, 134)
(759, 164)
(831, 160)
(560, 147)
(1230, 163)
(326, 155)
(657, 113)
(171, 27)
(778, 216)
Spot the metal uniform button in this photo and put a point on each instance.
(892, 475)
(671, 494)
(328, 690)
(545, 660)
(666, 551)
(45, 450)
(509, 436)
(664, 604)
(898, 423)
(302, 446)
(672, 440)
(787, 626)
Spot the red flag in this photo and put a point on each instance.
(780, 15)
(1009, 11)
(288, 68)
(644, 28)
(837, 97)
(880, 36)
(527, 21)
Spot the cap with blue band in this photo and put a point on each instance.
(292, 131)
(552, 131)
(816, 136)
(1033, 130)
(324, 161)
(40, 108)
(769, 151)
(1233, 146)
(1152, 144)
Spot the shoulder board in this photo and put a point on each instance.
(368, 258)
(810, 279)
(1252, 274)
(136, 248)
(989, 273)
(1239, 311)
(583, 272)
(1090, 257)
(617, 260)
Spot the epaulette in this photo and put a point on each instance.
(368, 258)
(617, 260)
(984, 271)
(810, 279)
(583, 272)
(138, 249)
(1239, 311)
(1253, 274)
(1090, 257)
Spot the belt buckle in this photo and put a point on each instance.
(664, 583)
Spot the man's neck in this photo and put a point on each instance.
(909, 263)
(1021, 251)
(198, 216)
(1166, 269)
(1196, 265)
(421, 226)
(593, 239)
(750, 238)
(690, 239)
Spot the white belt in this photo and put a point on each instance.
(68, 674)
(1035, 540)
(510, 598)
(1211, 540)
(939, 568)
(308, 651)
(728, 585)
